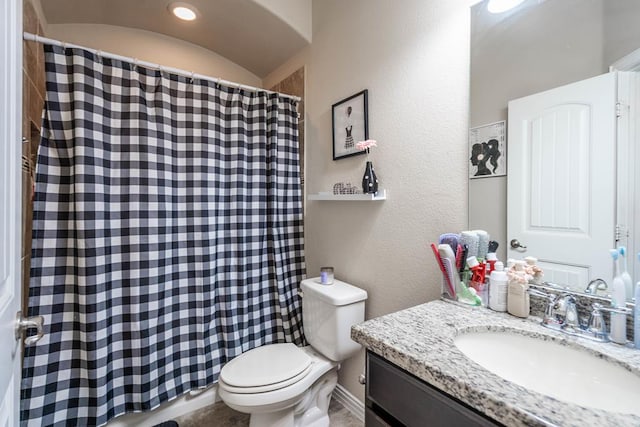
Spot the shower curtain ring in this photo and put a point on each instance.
(191, 78)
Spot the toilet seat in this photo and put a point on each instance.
(266, 368)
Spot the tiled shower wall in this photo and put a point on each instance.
(294, 85)
(33, 93)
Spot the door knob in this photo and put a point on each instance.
(24, 323)
(517, 245)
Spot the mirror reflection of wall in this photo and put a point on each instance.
(539, 45)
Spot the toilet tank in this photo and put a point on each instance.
(328, 312)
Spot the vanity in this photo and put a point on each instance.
(417, 372)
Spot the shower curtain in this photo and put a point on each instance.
(167, 236)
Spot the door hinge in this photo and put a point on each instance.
(618, 109)
(621, 232)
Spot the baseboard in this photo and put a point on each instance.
(349, 401)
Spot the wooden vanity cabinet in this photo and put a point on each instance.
(394, 397)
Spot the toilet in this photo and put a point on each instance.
(281, 385)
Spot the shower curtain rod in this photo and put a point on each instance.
(38, 39)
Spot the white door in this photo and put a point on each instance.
(10, 206)
(561, 179)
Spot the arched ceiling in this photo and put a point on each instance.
(243, 31)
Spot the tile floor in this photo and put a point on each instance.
(220, 415)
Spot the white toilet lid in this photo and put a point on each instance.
(266, 365)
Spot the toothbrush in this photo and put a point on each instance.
(449, 261)
(459, 263)
(450, 289)
(626, 278)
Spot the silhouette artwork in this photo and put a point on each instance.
(482, 153)
(487, 149)
(493, 151)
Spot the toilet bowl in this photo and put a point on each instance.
(283, 401)
(282, 385)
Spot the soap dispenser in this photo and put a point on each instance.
(518, 303)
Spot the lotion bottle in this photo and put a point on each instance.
(498, 283)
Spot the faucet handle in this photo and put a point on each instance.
(549, 317)
(619, 310)
(597, 325)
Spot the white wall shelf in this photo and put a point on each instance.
(382, 195)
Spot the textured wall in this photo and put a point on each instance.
(414, 62)
(296, 14)
(152, 47)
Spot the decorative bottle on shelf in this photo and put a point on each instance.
(369, 180)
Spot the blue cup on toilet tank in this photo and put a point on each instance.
(326, 275)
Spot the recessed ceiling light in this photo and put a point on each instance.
(499, 6)
(184, 11)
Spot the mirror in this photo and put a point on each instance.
(537, 46)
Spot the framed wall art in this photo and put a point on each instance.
(349, 119)
(488, 150)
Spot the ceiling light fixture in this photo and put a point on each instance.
(184, 11)
(499, 6)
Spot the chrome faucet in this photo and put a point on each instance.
(561, 310)
(561, 314)
(596, 285)
(565, 307)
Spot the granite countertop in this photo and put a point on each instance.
(420, 340)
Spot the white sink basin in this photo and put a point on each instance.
(565, 373)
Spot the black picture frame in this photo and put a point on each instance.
(350, 124)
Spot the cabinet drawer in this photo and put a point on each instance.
(371, 419)
(413, 402)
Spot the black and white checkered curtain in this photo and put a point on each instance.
(167, 236)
